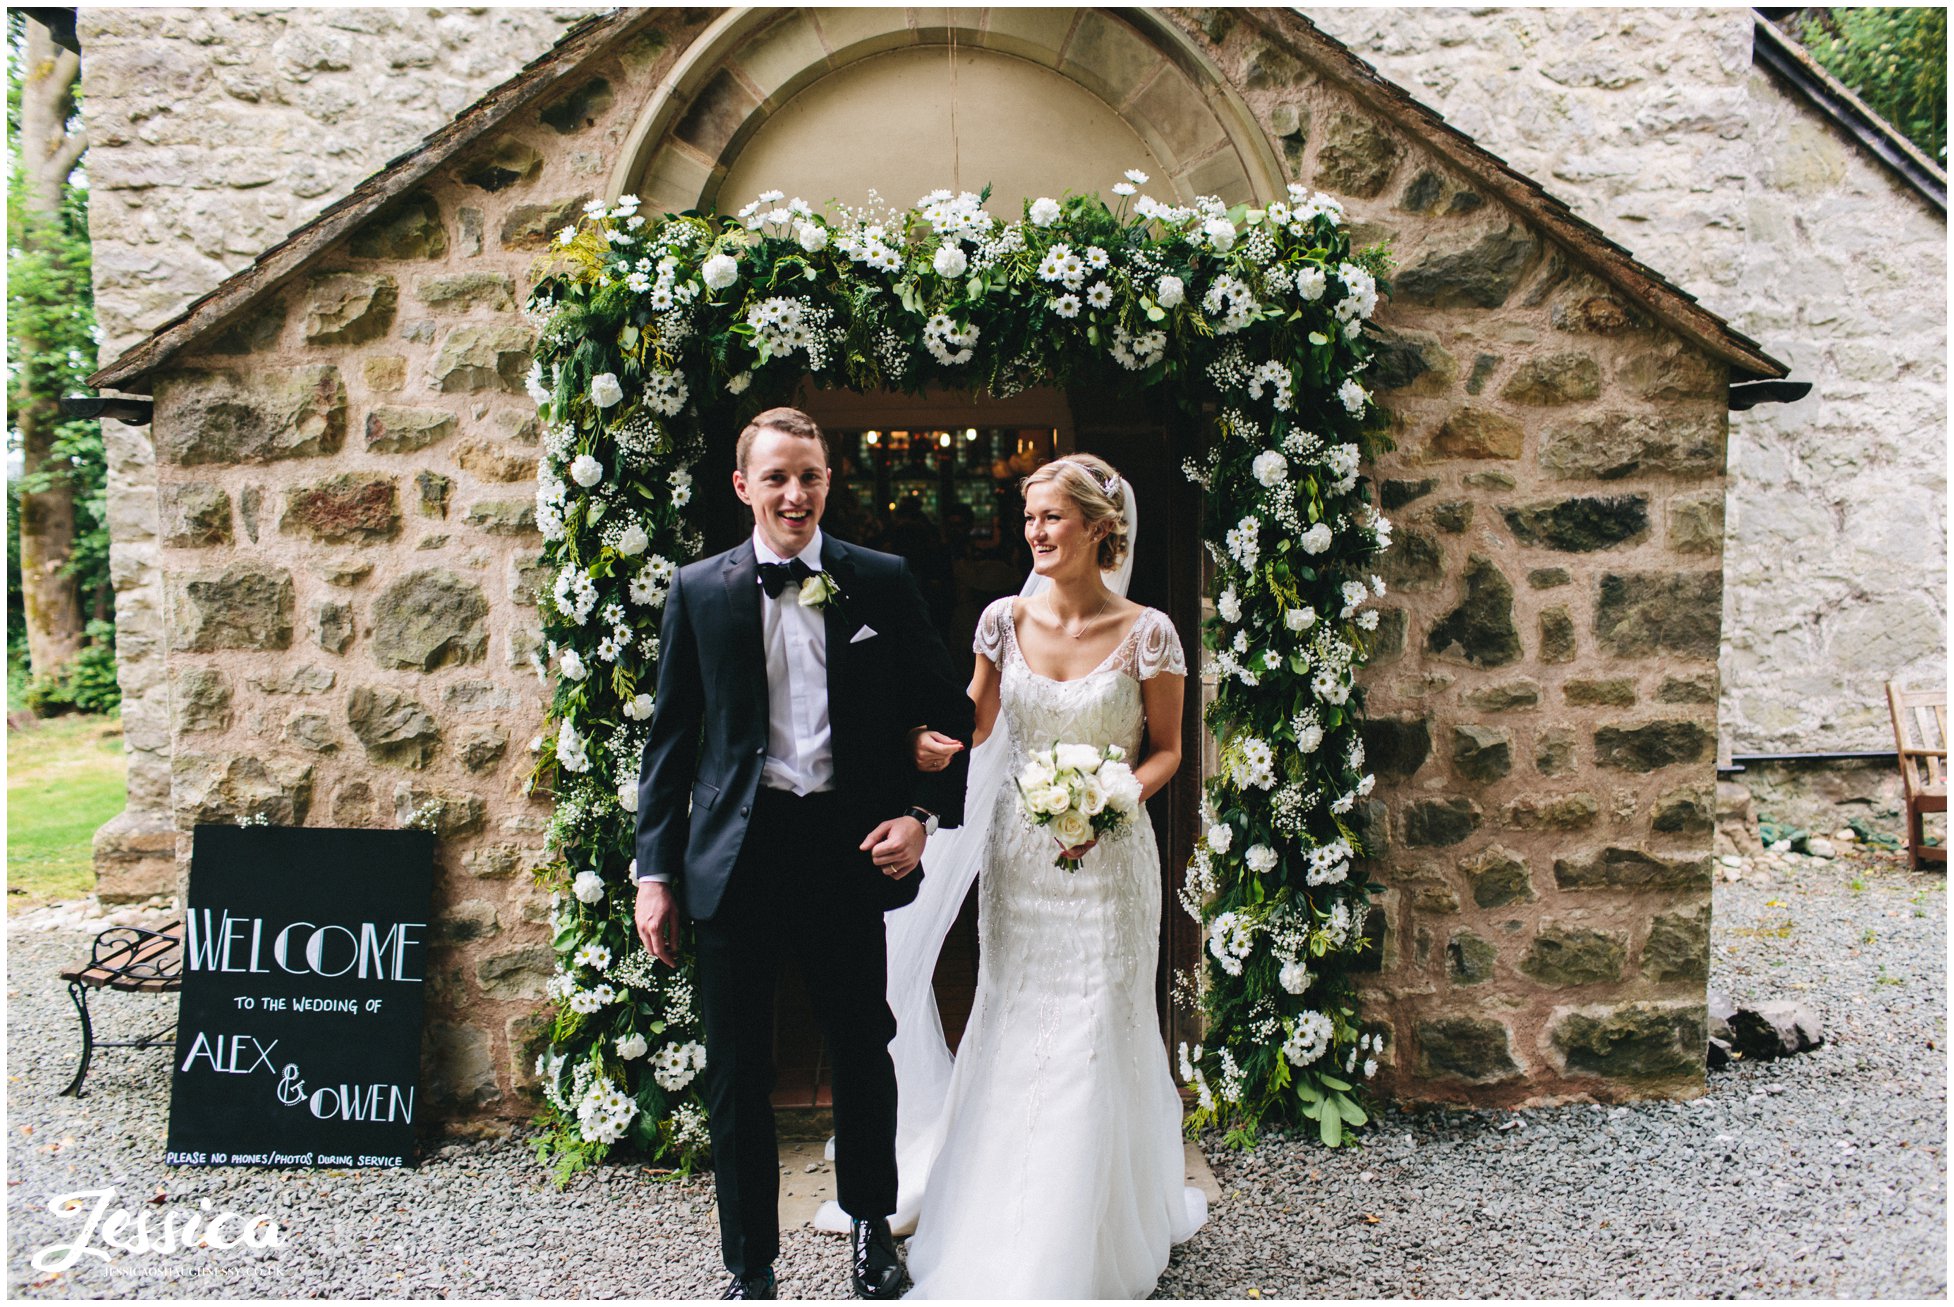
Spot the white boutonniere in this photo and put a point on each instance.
(819, 591)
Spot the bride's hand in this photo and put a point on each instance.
(933, 750)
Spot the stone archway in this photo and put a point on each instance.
(1031, 101)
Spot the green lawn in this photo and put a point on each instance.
(64, 779)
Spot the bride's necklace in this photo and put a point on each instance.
(1083, 626)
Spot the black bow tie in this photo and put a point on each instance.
(776, 576)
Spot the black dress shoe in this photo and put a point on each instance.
(876, 1265)
(758, 1284)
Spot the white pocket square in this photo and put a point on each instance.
(866, 633)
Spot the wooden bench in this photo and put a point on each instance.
(1920, 734)
(132, 959)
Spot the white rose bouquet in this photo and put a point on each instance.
(1077, 793)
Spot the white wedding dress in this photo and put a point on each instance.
(1057, 1170)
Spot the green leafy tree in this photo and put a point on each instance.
(58, 576)
(1893, 59)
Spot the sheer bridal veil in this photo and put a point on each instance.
(916, 933)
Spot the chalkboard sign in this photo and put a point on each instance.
(299, 1031)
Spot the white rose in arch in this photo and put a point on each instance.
(812, 236)
(1317, 538)
(633, 541)
(627, 794)
(631, 1047)
(1044, 211)
(1260, 859)
(588, 887)
(1300, 619)
(586, 471)
(1271, 468)
(1220, 836)
(605, 390)
(1220, 233)
(950, 260)
(1170, 292)
(572, 665)
(720, 271)
(638, 708)
(1071, 829)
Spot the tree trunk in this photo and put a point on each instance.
(48, 153)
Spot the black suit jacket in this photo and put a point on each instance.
(708, 742)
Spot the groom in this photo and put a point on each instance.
(778, 805)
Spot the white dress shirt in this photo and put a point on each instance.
(800, 746)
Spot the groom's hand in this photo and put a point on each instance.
(657, 916)
(896, 846)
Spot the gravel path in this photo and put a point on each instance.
(1821, 1175)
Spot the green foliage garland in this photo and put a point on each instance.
(656, 331)
(1893, 59)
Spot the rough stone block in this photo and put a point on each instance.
(1438, 822)
(1497, 877)
(1634, 1041)
(244, 606)
(1481, 753)
(534, 226)
(1593, 314)
(1678, 946)
(252, 334)
(472, 358)
(306, 678)
(1580, 525)
(507, 163)
(1696, 524)
(517, 973)
(229, 791)
(228, 417)
(494, 462)
(1614, 692)
(1556, 379)
(334, 623)
(1617, 445)
(196, 515)
(497, 861)
(349, 308)
(353, 804)
(1481, 276)
(1468, 1048)
(1412, 563)
(1469, 959)
(446, 813)
(1393, 495)
(1453, 517)
(1695, 687)
(1576, 811)
(578, 108)
(481, 747)
(1654, 744)
(1671, 371)
(1480, 630)
(1471, 432)
(434, 489)
(504, 517)
(468, 290)
(1413, 362)
(1553, 752)
(393, 727)
(1557, 643)
(1632, 869)
(1689, 810)
(471, 919)
(1567, 955)
(458, 1066)
(398, 430)
(352, 508)
(313, 731)
(201, 698)
(1396, 747)
(1642, 613)
(1548, 578)
(385, 374)
(1506, 696)
(410, 228)
(428, 619)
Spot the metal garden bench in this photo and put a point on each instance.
(132, 959)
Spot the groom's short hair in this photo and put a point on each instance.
(791, 420)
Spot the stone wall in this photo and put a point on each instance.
(213, 132)
(1544, 709)
(1654, 125)
(347, 549)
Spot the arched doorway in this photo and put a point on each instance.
(828, 104)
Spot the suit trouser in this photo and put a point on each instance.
(794, 895)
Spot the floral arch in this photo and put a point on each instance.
(657, 331)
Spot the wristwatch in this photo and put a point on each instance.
(925, 816)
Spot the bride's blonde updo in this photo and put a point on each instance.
(1099, 491)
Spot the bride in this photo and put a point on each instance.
(1047, 1162)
